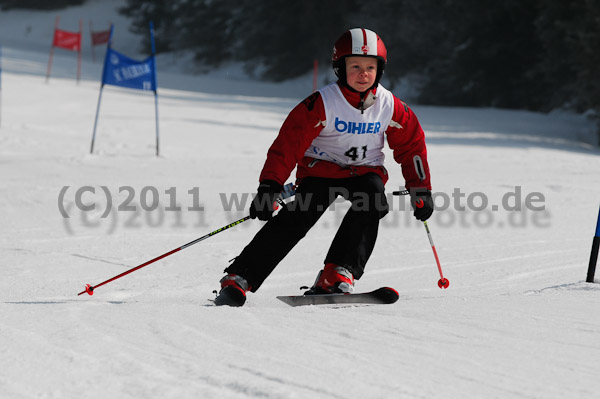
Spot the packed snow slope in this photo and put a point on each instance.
(518, 194)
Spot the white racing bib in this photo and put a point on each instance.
(349, 136)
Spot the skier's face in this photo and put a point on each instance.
(361, 72)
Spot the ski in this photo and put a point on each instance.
(383, 295)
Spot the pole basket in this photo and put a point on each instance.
(594, 254)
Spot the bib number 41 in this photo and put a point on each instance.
(354, 153)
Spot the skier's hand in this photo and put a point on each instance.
(422, 203)
(264, 203)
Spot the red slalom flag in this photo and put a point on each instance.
(100, 37)
(67, 40)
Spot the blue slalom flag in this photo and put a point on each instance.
(120, 70)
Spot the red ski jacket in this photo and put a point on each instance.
(305, 122)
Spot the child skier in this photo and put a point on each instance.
(335, 139)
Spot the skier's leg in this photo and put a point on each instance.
(356, 236)
(280, 234)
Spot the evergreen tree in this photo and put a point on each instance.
(39, 4)
(209, 29)
(492, 48)
(535, 54)
(284, 37)
(414, 32)
(162, 14)
(570, 33)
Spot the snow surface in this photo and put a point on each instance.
(518, 321)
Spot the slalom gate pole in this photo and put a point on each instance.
(79, 52)
(90, 288)
(156, 121)
(49, 63)
(153, 47)
(288, 191)
(96, 119)
(52, 49)
(104, 69)
(92, 39)
(594, 254)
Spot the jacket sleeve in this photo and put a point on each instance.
(301, 127)
(407, 141)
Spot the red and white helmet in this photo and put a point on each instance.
(362, 43)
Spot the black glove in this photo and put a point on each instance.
(422, 203)
(263, 205)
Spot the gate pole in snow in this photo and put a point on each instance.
(156, 113)
(154, 83)
(79, 51)
(594, 254)
(52, 49)
(101, 87)
(92, 36)
(96, 119)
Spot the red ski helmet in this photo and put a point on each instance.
(362, 43)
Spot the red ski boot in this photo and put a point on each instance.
(233, 291)
(333, 279)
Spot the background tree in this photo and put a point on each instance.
(534, 54)
(39, 4)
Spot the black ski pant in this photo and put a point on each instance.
(353, 243)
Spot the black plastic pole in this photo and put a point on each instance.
(594, 254)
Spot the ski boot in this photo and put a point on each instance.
(333, 279)
(233, 291)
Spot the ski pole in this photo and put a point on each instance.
(442, 282)
(90, 288)
(288, 191)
